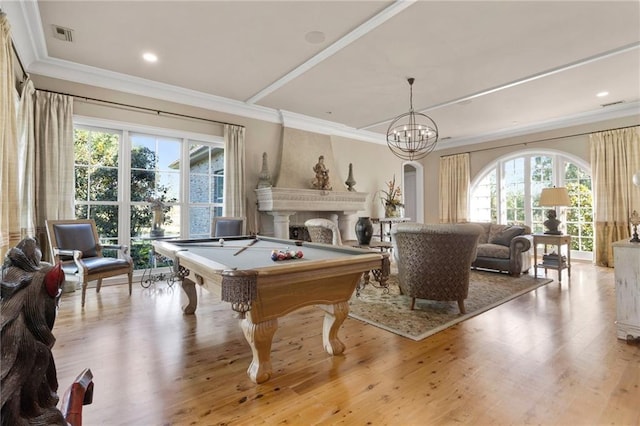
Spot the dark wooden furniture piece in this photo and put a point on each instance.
(80, 393)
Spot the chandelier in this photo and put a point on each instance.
(412, 135)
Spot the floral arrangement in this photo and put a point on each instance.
(391, 197)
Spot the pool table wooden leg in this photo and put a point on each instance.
(189, 297)
(333, 318)
(260, 337)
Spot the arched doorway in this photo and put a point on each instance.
(413, 184)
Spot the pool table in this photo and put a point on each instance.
(261, 290)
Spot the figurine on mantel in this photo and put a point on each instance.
(321, 181)
(350, 182)
(264, 178)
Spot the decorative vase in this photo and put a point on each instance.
(350, 182)
(391, 210)
(364, 230)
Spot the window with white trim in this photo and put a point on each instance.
(121, 170)
(508, 190)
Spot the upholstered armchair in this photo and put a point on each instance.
(75, 244)
(323, 231)
(226, 226)
(434, 260)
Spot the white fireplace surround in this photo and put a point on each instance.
(281, 203)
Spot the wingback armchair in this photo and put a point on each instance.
(323, 231)
(75, 244)
(434, 261)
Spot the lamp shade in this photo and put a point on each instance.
(551, 197)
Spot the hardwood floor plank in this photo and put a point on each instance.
(549, 357)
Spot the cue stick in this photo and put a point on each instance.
(245, 247)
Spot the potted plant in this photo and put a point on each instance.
(391, 199)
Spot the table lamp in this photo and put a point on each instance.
(553, 197)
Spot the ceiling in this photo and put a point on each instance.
(482, 69)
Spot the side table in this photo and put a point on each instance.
(552, 240)
(380, 275)
(148, 276)
(387, 222)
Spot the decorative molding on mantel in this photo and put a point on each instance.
(310, 200)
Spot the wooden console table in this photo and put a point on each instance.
(552, 240)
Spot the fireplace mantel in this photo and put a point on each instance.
(283, 202)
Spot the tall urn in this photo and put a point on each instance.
(364, 230)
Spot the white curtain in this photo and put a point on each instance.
(26, 155)
(9, 198)
(234, 171)
(454, 188)
(615, 157)
(54, 165)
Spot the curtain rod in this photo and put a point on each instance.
(156, 111)
(542, 140)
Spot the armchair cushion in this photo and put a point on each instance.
(97, 264)
(505, 236)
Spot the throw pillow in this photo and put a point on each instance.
(504, 238)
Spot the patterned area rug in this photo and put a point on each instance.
(391, 311)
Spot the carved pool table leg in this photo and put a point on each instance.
(333, 318)
(189, 297)
(259, 336)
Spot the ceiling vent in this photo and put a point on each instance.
(611, 104)
(62, 33)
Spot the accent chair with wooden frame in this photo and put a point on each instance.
(75, 243)
(227, 226)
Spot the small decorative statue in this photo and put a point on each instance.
(30, 292)
(264, 179)
(157, 208)
(552, 223)
(350, 182)
(321, 181)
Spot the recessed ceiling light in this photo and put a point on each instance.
(315, 37)
(150, 57)
(602, 94)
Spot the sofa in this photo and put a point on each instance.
(504, 248)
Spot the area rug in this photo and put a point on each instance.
(391, 311)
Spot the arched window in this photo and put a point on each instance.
(508, 190)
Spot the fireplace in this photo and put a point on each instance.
(281, 203)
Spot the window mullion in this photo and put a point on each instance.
(124, 190)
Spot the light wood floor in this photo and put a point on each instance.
(550, 357)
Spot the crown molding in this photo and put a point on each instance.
(606, 113)
(29, 39)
